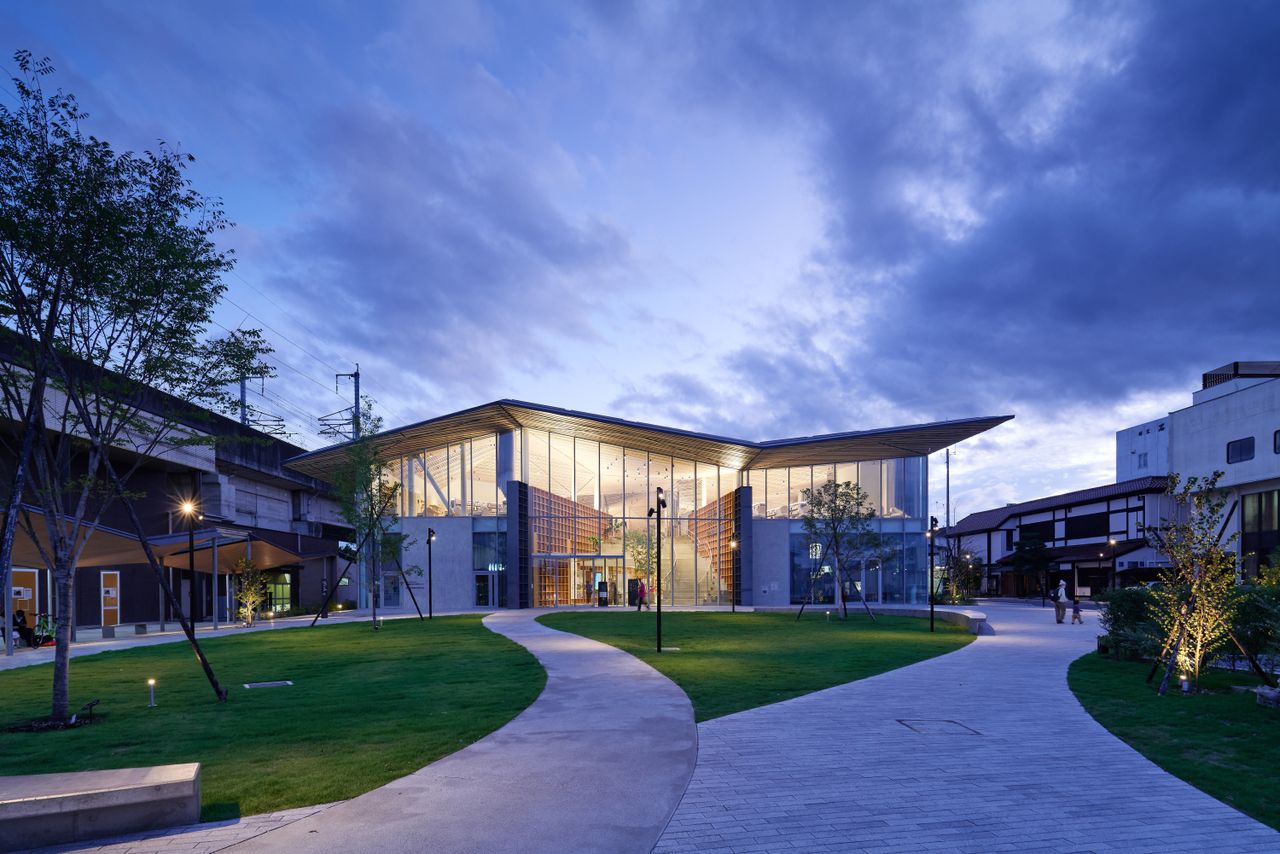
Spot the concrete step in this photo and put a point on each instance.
(48, 809)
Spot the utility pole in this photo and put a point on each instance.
(244, 401)
(355, 403)
(341, 424)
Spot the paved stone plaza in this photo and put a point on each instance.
(984, 749)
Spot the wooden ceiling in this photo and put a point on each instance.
(505, 415)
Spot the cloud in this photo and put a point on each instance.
(444, 258)
(1034, 206)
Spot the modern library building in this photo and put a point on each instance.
(534, 506)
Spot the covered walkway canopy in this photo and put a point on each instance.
(104, 546)
(230, 545)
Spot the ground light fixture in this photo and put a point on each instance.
(1186, 687)
(431, 538)
(151, 687)
(660, 504)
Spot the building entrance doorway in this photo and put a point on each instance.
(26, 595)
(488, 594)
(871, 581)
(110, 588)
(560, 581)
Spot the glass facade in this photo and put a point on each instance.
(898, 574)
(895, 488)
(590, 536)
(462, 479)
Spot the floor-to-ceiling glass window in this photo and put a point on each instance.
(591, 535)
(892, 569)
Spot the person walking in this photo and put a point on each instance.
(641, 592)
(1060, 601)
(1076, 616)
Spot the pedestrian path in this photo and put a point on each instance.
(597, 763)
(91, 641)
(981, 750)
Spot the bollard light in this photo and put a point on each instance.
(151, 686)
(1186, 686)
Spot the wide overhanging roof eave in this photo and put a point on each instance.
(508, 414)
(911, 440)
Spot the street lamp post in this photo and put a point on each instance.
(733, 577)
(431, 538)
(189, 510)
(660, 505)
(932, 535)
(1111, 541)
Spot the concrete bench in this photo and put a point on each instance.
(973, 621)
(48, 809)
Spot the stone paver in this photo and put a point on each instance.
(837, 771)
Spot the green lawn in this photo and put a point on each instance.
(366, 707)
(730, 662)
(1222, 743)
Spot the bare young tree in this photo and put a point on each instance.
(367, 487)
(839, 518)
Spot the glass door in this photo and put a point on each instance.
(486, 589)
(871, 580)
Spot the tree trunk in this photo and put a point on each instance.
(374, 587)
(62, 637)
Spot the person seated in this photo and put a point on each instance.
(24, 631)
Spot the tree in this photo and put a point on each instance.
(1031, 558)
(252, 590)
(962, 575)
(109, 279)
(839, 518)
(1194, 604)
(641, 555)
(367, 487)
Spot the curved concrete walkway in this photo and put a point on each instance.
(996, 755)
(597, 763)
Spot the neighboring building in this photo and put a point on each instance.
(252, 506)
(1143, 451)
(1233, 426)
(535, 506)
(1093, 538)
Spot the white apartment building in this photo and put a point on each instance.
(1233, 426)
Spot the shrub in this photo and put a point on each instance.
(1127, 611)
(1257, 618)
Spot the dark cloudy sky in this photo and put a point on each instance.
(760, 219)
